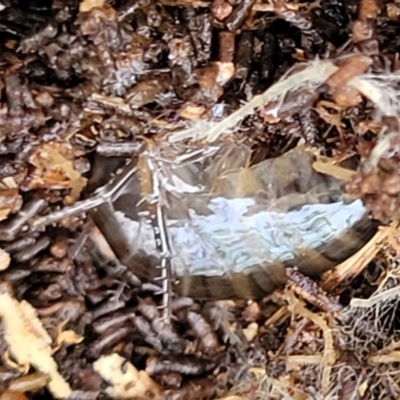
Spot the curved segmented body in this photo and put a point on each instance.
(231, 231)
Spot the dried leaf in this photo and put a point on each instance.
(87, 5)
(55, 169)
(29, 383)
(192, 112)
(369, 9)
(10, 202)
(335, 171)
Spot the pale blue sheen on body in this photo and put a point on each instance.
(227, 240)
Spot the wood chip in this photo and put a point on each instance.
(28, 342)
(4, 260)
(126, 382)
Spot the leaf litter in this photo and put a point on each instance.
(80, 82)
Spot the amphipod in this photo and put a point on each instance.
(218, 228)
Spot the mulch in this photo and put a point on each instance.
(79, 81)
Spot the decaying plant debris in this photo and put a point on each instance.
(97, 78)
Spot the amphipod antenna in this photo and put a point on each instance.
(106, 193)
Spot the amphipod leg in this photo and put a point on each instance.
(104, 194)
(160, 233)
(152, 185)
